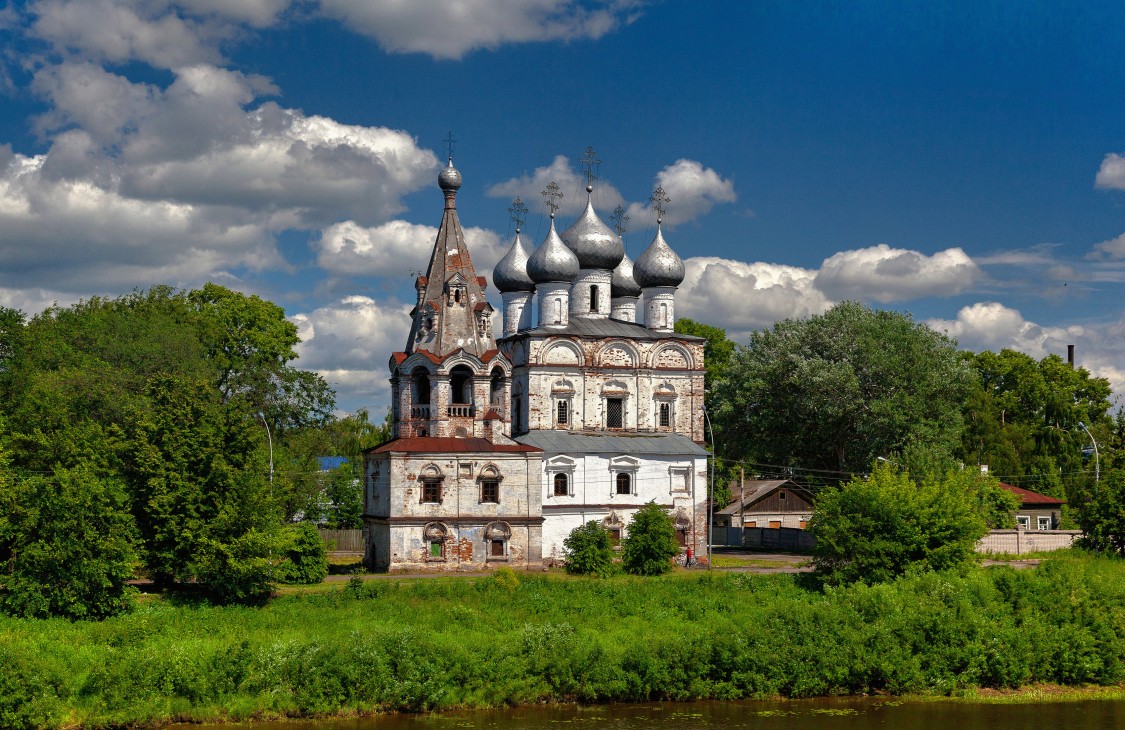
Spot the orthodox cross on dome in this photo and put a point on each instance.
(589, 162)
(619, 220)
(517, 213)
(551, 194)
(658, 202)
(449, 142)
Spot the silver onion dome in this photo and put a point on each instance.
(510, 273)
(552, 261)
(623, 284)
(449, 178)
(595, 243)
(659, 265)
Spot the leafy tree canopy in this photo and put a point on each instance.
(838, 390)
(650, 543)
(589, 551)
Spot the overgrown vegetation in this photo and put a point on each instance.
(650, 542)
(588, 551)
(447, 643)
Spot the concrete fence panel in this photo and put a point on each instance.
(1019, 542)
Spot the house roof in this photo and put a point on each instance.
(755, 490)
(328, 463)
(447, 445)
(671, 444)
(1030, 497)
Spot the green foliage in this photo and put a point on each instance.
(306, 560)
(1100, 512)
(650, 544)
(997, 506)
(588, 551)
(160, 391)
(838, 390)
(556, 639)
(875, 529)
(1022, 419)
(717, 352)
(66, 545)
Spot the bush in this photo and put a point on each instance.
(66, 546)
(1100, 511)
(589, 551)
(877, 528)
(306, 559)
(651, 542)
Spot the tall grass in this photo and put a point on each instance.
(503, 640)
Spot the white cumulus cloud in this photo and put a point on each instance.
(449, 29)
(1111, 174)
(692, 191)
(571, 184)
(884, 274)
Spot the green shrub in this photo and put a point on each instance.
(306, 559)
(589, 551)
(68, 544)
(873, 529)
(651, 542)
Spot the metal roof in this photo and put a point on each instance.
(671, 444)
(604, 327)
(447, 445)
(1029, 497)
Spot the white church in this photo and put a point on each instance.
(578, 412)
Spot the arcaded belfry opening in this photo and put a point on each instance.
(421, 380)
(461, 391)
(496, 388)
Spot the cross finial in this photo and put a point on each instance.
(552, 194)
(658, 201)
(589, 162)
(449, 142)
(517, 212)
(619, 220)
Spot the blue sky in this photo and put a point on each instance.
(960, 161)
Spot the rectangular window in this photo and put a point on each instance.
(615, 413)
(781, 496)
(593, 299)
(437, 549)
(465, 471)
(490, 490)
(1044, 523)
(562, 412)
(562, 485)
(1023, 521)
(431, 490)
(665, 415)
(497, 548)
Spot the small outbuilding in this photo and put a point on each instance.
(767, 503)
(1036, 511)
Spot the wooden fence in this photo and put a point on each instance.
(342, 541)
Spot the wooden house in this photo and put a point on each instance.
(768, 503)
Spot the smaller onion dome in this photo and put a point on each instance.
(595, 243)
(658, 265)
(510, 273)
(449, 178)
(552, 261)
(623, 284)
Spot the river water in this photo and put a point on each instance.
(824, 714)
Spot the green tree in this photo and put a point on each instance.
(1100, 512)
(838, 390)
(66, 545)
(717, 352)
(588, 551)
(306, 559)
(650, 543)
(873, 529)
(1022, 419)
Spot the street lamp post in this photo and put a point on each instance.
(1097, 460)
(270, 439)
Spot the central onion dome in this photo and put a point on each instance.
(658, 265)
(449, 179)
(552, 261)
(623, 284)
(592, 241)
(510, 274)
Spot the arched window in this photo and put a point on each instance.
(421, 387)
(562, 485)
(624, 483)
(665, 415)
(461, 385)
(496, 388)
(562, 412)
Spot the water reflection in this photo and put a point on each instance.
(823, 714)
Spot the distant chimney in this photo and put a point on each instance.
(1070, 356)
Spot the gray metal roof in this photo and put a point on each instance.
(669, 444)
(604, 327)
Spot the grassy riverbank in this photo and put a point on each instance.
(524, 638)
